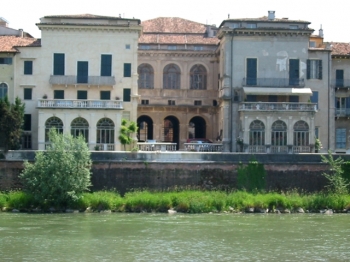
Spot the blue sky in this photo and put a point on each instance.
(333, 17)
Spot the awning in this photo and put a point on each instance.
(276, 91)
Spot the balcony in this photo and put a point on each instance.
(342, 112)
(278, 149)
(341, 83)
(282, 106)
(80, 104)
(274, 82)
(82, 80)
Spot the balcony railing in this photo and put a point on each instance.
(203, 147)
(82, 80)
(342, 112)
(282, 106)
(79, 104)
(279, 149)
(156, 146)
(341, 83)
(274, 82)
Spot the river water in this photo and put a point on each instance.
(179, 237)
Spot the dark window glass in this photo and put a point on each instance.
(294, 72)
(58, 64)
(27, 94)
(106, 65)
(58, 94)
(82, 94)
(126, 94)
(127, 70)
(251, 71)
(294, 99)
(27, 125)
(82, 72)
(105, 95)
(28, 67)
(6, 60)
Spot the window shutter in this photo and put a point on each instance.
(106, 65)
(126, 94)
(58, 64)
(308, 69)
(28, 67)
(320, 69)
(127, 70)
(347, 102)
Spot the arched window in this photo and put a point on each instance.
(146, 76)
(279, 133)
(105, 131)
(171, 77)
(257, 133)
(301, 134)
(80, 126)
(198, 77)
(3, 90)
(53, 122)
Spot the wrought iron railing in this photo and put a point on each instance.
(67, 103)
(86, 80)
(274, 82)
(282, 106)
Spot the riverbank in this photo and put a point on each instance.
(185, 201)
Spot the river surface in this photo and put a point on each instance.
(179, 237)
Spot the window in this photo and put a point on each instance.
(198, 77)
(197, 102)
(105, 131)
(314, 69)
(53, 122)
(127, 70)
(314, 97)
(256, 135)
(106, 65)
(146, 76)
(127, 46)
(294, 99)
(144, 47)
(294, 72)
(340, 138)
(234, 25)
(82, 72)
(27, 125)
(342, 106)
(171, 47)
(58, 94)
(144, 102)
(198, 48)
(251, 25)
(251, 71)
(5, 60)
(27, 93)
(105, 95)
(26, 135)
(126, 94)
(82, 94)
(58, 64)
(80, 126)
(312, 44)
(301, 134)
(293, 27)
(171, 77)
(171, 102)
(28, 67)
(339, 78)
(3, 90)
(279, 137)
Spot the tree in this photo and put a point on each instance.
(59, 175)
(337, 183)
(127, 129)
(11, 123)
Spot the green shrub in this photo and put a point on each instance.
(19, 200)
(251, 177)
(3, 200)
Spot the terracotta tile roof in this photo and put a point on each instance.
(8, 44)
(340, 48)
(174, 30)
(172, 25)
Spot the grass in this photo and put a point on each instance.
(187, 201)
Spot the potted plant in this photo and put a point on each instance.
(239, 142)
(45, 96)
(318, 145)
(117, 98)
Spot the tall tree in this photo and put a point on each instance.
(11, 123)
(126, 131)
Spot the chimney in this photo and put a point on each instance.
(320, 32)
(271, 15)
(20, 32)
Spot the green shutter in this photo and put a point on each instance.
(308, 69)
(320, 69)
(127, 95)
(28, 67)
(106, 65)
(127, 70)
(58, 64)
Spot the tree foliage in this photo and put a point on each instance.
(59, 175)
(336, 182)
(11, 123)
(127, 129)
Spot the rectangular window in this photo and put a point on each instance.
(58, 64)
(106, 65)
(251, 98)
(27, 93)
(144, 102)
(314, 97)
(171, 47)
(58, 94)
(251, 25)
(314, 69)
(82, 72)
(294, 72)
(294, 99)
(340, 138)
(198, 48)
(294, 27)
(273, 98)
(171, 102)
(105, 95)
(5, 60)
(126, 115)
(251, 71)
(82, 94)
(127, 46)
(144, 47)
(234, 25)
(312, 44)
(197, 102)
(27, 125)
(126, 94)
(339, 78)
(28, 67)
(127, 70)
(26, 140)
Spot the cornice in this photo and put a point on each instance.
(162, 53)
(264, 32)
(109, 28)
